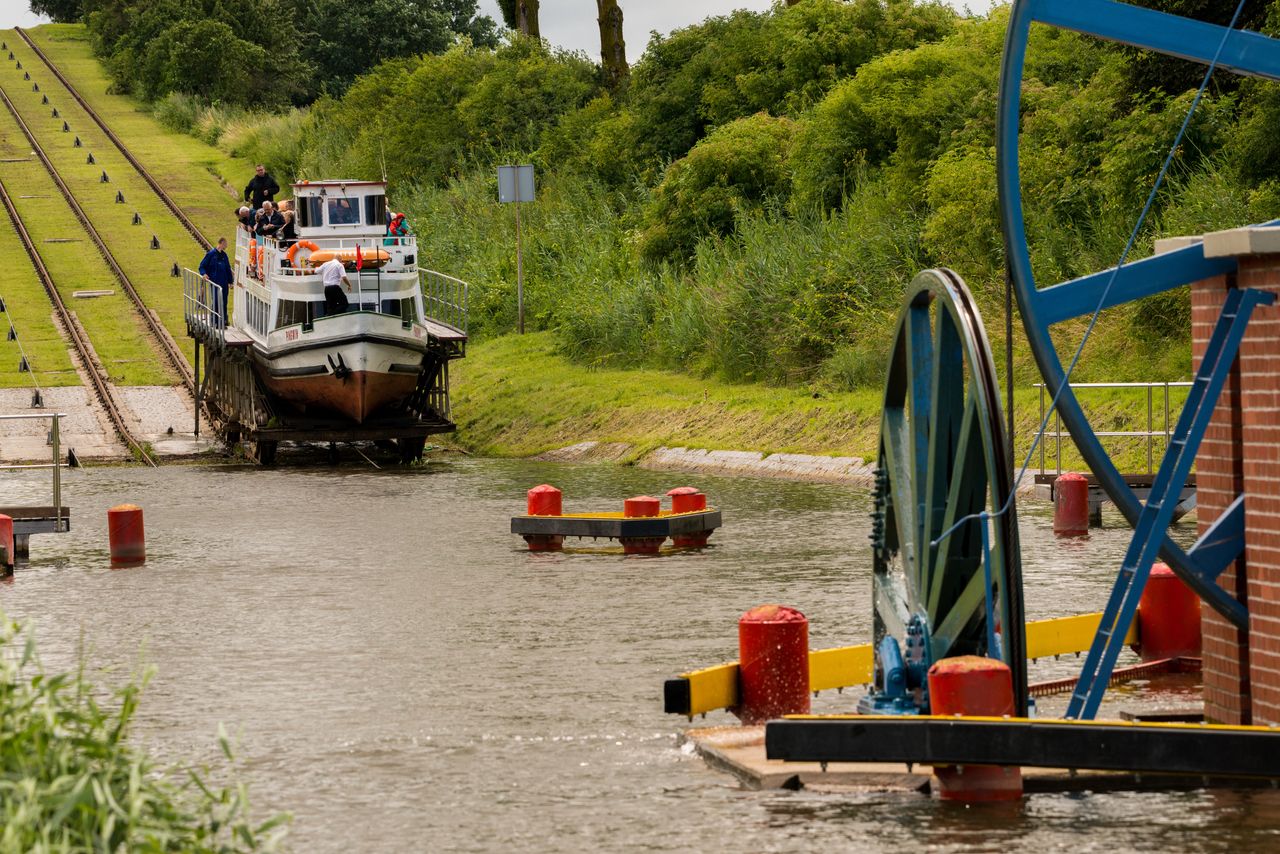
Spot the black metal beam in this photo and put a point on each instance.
(617, 526)
(1136, 747)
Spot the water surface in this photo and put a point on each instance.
(401, 674)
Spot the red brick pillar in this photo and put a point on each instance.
(1260, 404)
(1219, 479)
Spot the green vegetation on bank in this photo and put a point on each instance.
(70, 781)
(752, 204)
(518, 396)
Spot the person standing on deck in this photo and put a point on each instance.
(216, 269)
(334, 276)
(261, 188)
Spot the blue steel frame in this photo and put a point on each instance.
(1244, 53)
(1156, 514)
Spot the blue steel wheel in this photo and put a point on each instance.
(1242, 52)
(943, 456)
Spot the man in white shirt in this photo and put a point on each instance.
(334, 276)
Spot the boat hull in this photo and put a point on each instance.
(358, 396)
(356, 366)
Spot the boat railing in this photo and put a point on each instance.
(268, 255)
(445, 298)
(200, 298)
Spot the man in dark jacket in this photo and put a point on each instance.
(262, 188)
(268, 222)
(216, 268)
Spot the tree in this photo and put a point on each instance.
(613, 50)
(522, 16)
(59, 11)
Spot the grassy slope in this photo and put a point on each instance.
(148, 269)
(205, 181)
(31, 314)
(113, 325)
(514, 396)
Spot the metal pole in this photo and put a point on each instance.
(1057, 433)
(1151, 435)
(57, 473)
(197, 385)
(519, 268)
(1008, 363)
(1041, 421)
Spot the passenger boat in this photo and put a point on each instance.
(357, 364)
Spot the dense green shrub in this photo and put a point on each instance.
(728, 175)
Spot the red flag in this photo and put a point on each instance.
(359, 258)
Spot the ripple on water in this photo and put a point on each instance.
(401, 674)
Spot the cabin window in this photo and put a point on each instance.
(402, 308)
(292, 312)
(375, 210)
(344, 211)
(310, 212)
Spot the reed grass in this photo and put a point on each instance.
(71, 781)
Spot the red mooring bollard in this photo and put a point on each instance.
(1168, 617)
(545, 500)
(126, 535)
(687, 499)
(973, 686)
(6, 541)
(1071, 505)
(641, 507)
(773, 663)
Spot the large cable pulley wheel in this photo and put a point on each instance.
(943, 457)
(1238, 51)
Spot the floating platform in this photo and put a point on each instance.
(35, 520)
(741, 751)
(616, 526)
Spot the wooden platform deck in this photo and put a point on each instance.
(1139, 483)
(740, 751)
(36, 520)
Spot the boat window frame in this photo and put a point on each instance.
(334, 203)
(375, 210)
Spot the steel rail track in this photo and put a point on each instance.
(167, 345)
(101, 388)
(119, 143)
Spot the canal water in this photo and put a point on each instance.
(400, 674)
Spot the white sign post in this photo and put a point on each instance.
(515, 184)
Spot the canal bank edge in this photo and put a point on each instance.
(517, 397)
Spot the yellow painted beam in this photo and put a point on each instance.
(1066, 635)
(714, 688)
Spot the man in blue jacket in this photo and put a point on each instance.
(216, 268)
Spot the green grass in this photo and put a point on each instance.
(113, 326)
(31, 313)
(205, 181)
(516, 396)
(149, 269)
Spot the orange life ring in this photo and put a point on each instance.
(301, 244)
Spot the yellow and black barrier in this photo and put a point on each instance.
(711, 688)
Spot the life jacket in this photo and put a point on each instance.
(397, 227)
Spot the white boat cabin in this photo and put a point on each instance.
(279, 288)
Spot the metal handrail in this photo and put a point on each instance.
(55, 443)
(446, 298)
(1150, 434)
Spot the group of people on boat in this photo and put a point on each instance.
(263, 217)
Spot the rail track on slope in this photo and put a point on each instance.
(164, 196)
(91, 368)
(168, 347)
